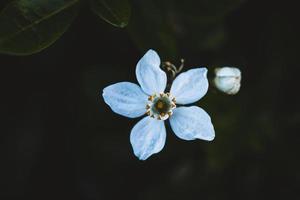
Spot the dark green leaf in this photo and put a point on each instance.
(29, 26)
(115, 12)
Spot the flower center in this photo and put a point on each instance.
(160, 106)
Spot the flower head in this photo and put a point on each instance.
(228, 79)
(148, 136)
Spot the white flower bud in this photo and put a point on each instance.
(228, 79)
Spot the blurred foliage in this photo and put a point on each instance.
(29, 26)
(166, 25)
(115, 12)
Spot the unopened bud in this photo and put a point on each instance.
(228, 79)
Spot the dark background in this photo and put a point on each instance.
(59, 140)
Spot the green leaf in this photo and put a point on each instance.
(115, 12)
(29, 26)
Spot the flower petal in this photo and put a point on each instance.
(126, 99)
(190, 86)
(190, 123)
(148, 137)
(149, 75)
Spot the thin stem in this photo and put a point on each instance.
(172, 70)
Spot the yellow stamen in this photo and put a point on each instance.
(150, 98)
(160, 105)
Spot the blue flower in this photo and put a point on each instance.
(148, 136)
